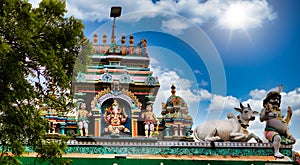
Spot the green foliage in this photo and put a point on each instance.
(10, 160)
(84, 59)
(51, 150)
(38, 50)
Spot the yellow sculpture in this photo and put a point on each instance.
(116, 118)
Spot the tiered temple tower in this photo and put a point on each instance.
(118, 72)
(177, 122)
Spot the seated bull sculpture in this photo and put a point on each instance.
(232, 129)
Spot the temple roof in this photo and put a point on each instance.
(175, 100)
(124, 62)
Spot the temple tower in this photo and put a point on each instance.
(118, 72)
(177, 122)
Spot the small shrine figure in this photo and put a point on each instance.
(276, 130)
(116, 118)
(83, 121)
(149, 117)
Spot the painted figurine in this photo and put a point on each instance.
(83, 121)
(149, 118)
(276, 130)
(116, 118)
(234, 128)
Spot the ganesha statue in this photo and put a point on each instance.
(115, 117)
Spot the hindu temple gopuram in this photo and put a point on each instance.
(119, 86)
(114, 121)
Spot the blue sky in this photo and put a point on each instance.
(217, 53)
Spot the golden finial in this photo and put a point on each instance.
(280, 88)
(131, 39)
(123, 39)
(95, 38)
(104, 39)
(173, 89)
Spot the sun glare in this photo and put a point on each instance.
(238, 16)
(235, 17)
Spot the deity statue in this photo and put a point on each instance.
(83, 121)
(116, 118)
(149, 117)
(276, 130)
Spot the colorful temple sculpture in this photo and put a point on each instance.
(177, 122)
(115, 87)
(276, 130)
(117, 90)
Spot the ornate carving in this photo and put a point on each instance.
(150, 80)
(131, 95)
(174, 150)
(125, 78)
(100, 94)
(107, 77)
(81, 77)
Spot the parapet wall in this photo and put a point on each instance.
(153, 147)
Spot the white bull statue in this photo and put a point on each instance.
(232, 129)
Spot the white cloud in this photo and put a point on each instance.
(291, 98)
(205, 94)
(174, 26)
(245, 14)
(258, 11)
(153, 61)
(183, 89)
(179, 71)
(296, 113)
(183, 86)
(230, 14)
(257, 94)
(296, 146)
(220, 103)
(257, 128)
(203, 83)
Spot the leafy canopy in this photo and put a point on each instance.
(38, 50)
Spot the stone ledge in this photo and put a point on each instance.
(175, 148)
(154, 142)
(173, 157)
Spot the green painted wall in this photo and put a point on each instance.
(124, 161)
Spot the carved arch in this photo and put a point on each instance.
(106, 94)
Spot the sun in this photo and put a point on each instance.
(236, 17)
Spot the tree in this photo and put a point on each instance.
(83, 59)
(38, 49)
